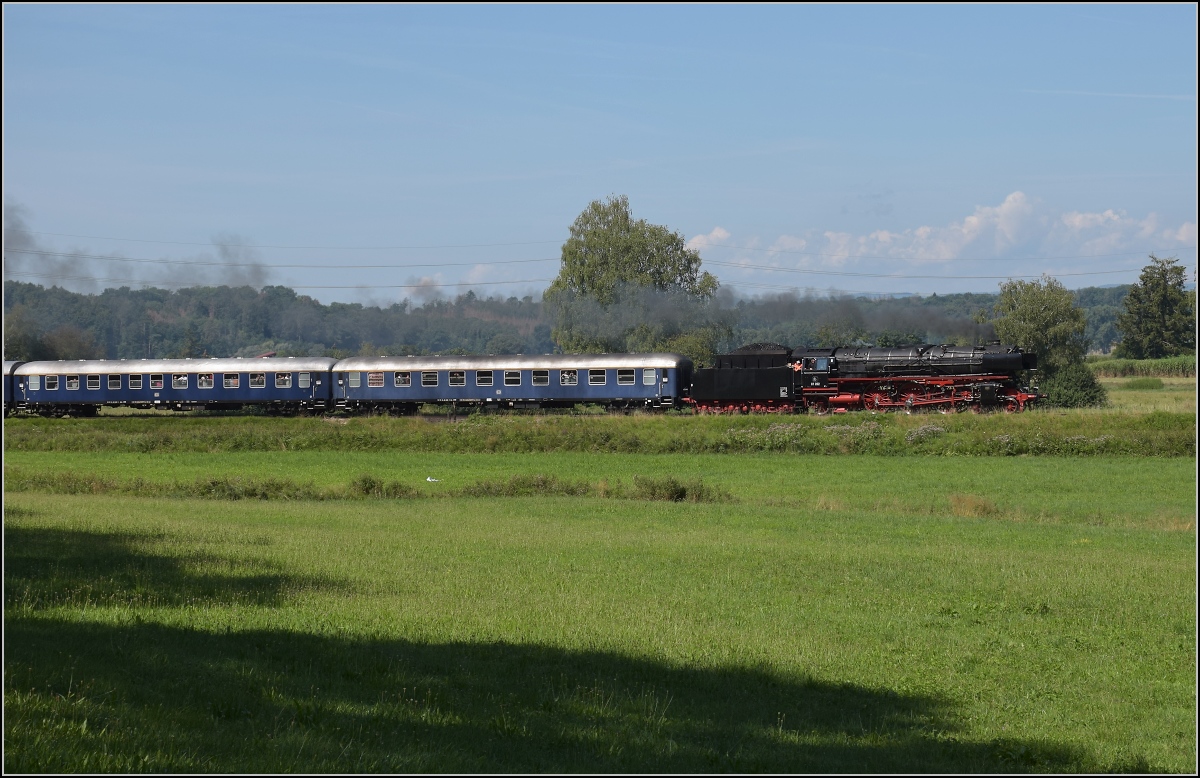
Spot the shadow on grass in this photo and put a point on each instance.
(54, 567)
(132, 696)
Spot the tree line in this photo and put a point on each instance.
(53, 323)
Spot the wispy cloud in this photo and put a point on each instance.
(1134, 95)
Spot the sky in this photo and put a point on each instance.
(373, 153)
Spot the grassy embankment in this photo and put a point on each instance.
(1089, 432)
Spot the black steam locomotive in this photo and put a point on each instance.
(768, 377)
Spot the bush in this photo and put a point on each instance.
(1073, 386)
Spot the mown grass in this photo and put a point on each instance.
(570, 634)
(1065, 433)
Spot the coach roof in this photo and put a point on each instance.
(217, 365)
(515, 362)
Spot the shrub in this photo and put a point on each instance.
(1073, 386)
(673, 490)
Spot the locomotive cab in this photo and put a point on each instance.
(815, 372)
(816, 369)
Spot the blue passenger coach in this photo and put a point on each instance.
(512, 381)
(9, 369)
(81, 387)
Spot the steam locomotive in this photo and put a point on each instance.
(768, 377)
(761, 377)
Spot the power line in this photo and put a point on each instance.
(543, 242)
(324, 248)
(948, 259)
(898, 275)
(202, 263)
(290, 286)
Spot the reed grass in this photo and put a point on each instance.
(1169, 367)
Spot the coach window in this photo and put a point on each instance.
(596, 377)
(429, 378)
(284, 380)
(483, 378)
(354, 380)
(114, 381)
(512, 377)
(458, 377)
(35, 382)
(568, 377)
(72, 382)
(205, 381)
(626, 377)
(541, 377)
(375, 380)
(402, 378)
(231, 380)
(648, 377)
(156, 381)
(179, 380)
(135, 381)
(93, 383)
(304, 380)
(258, 380)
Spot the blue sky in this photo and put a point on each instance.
(867, 148)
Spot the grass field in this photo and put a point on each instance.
(1176, 395)
(1027, 489)
(851, 613)
(858, 593)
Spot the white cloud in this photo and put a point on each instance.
(716, 237)
(1026, 237)
(1017, 227)
(1186, 234)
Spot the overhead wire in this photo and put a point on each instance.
(202, 263)
(322, 248)
(292, 286)
(706, 245)
(717, 263)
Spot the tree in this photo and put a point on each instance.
(608, 248)
(627, 285)
(1159, 319)
(1041, 317)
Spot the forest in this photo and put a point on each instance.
(223, 321)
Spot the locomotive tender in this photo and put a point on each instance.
(768, 377)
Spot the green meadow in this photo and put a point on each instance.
(245, 595)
